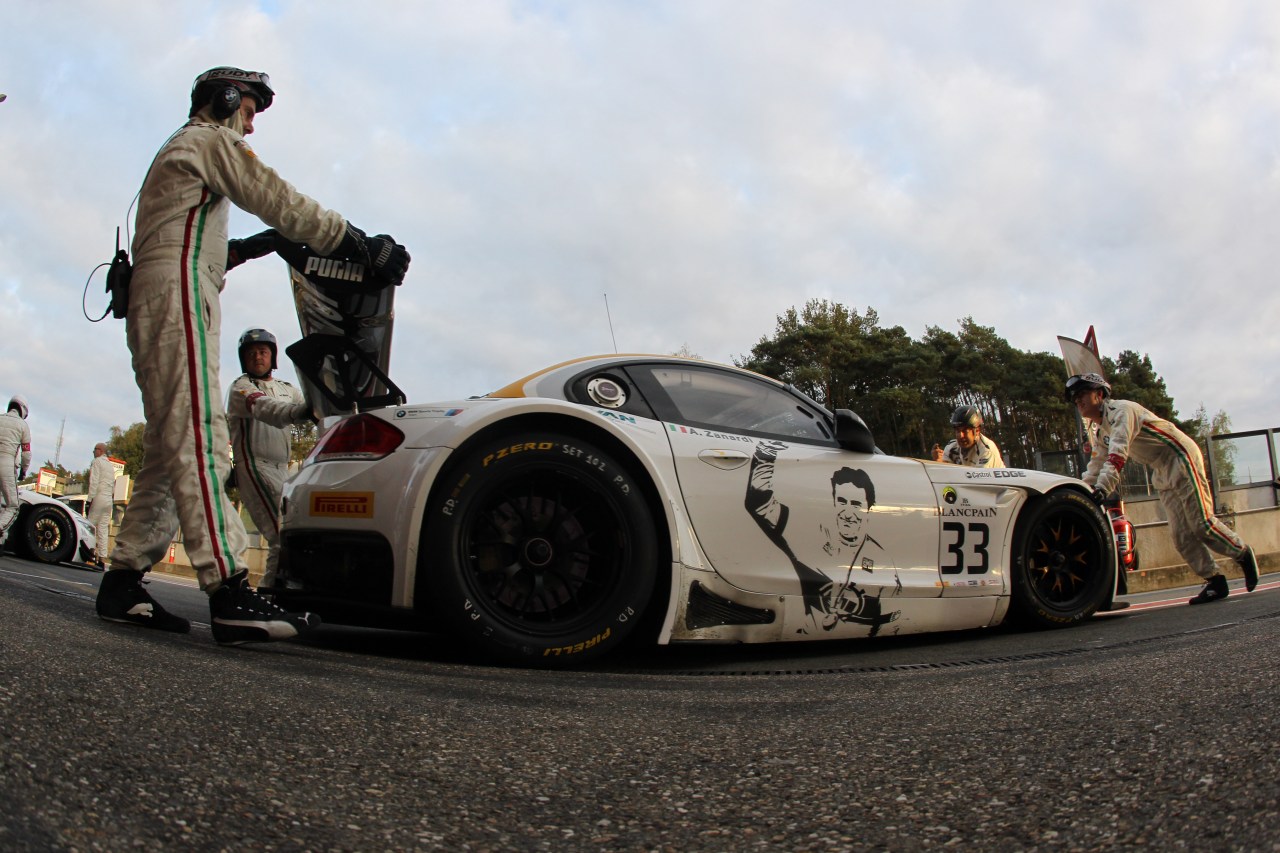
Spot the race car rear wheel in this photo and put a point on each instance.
(48, 535)
(540, 550)
(1064, 565)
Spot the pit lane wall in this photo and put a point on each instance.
(1251, 511)
(178, 564)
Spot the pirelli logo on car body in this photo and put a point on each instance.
(342, 504)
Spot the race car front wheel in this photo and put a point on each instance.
(48, 534)
(1064, 565)
(538, 550)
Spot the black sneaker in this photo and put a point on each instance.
(239, 615)
(1215, 589)
(1249, 565)
(121, 598)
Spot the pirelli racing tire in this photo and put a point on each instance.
(1064, 561)
(539, 550)
(46, 533)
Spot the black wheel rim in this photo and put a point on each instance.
(544, 551)
(1064, 556)
(47, 534)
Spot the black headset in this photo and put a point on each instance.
(225, 102)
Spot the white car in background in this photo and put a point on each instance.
(49, 530)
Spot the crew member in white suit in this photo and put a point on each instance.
(102, 493)
(261, 409)
(1126, 430)
(180, 255)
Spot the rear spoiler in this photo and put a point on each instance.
(339, 377)
(346, 313)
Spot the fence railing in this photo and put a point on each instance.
(1236, 461)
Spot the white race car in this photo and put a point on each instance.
(48, 530)
(673, 500)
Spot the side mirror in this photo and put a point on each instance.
(852, 433)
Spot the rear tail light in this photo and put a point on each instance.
(363, 437)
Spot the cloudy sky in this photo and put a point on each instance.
(688, 168)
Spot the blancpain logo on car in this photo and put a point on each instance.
(969, 511)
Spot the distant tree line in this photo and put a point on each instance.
(126, 445)
(906, 389)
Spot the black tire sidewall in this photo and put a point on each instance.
(1027, 607)
(466, 486)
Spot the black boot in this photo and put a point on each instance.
(121, 598)
(239, 615)
(1249, 565)
(1215, 589)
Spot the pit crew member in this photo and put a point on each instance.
(1126, 430)
(180, 253)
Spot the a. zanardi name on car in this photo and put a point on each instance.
(995, 474)
(342, 504)
(707, 433)
(428, 413)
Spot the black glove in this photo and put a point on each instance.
(380, 253)
(1099, 496)
(302, 414)
(248, 248)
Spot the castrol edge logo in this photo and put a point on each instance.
(342, 504)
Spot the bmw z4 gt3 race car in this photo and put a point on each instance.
(670, 500)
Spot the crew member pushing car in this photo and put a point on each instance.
(173, 328)
(1126, 430)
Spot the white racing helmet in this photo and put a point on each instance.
(1086, 382)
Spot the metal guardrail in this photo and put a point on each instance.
(1244, 460)
(1235, 461)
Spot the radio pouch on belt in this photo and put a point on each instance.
(118, 276)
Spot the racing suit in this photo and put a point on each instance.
(260, 412)
(983, 454)
(15, 439)
(173, 328)
(1129, 431)
(102, 480)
